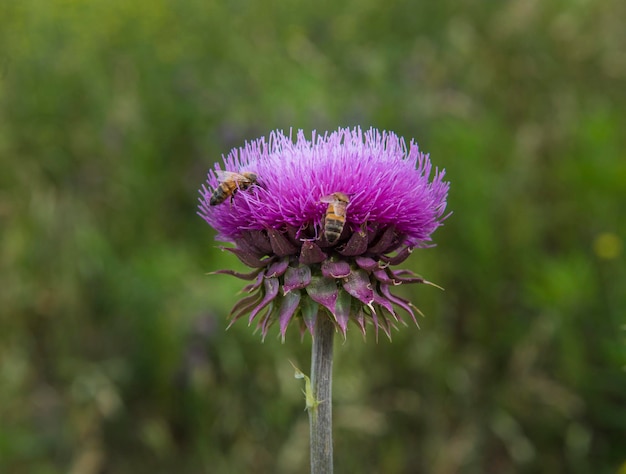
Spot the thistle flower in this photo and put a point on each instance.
(322, 222)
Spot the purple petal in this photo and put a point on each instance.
(385, 303)
(280, 244)
(309, 310)
(367, 263)
(338, 269)
(245, 245)
(243, 276)
(381, 275)
(404, 304)
(404, 271)
(342, 310)
(397, 276)
(372, 231)
(271, 286)
(288, 307)
(303, 329)
(357, 244)
(253, 286)
(311, 253)
(292, 235)
(253, 245)
(248, 258)
(385, 307)
(358, 285)
(384, 242)
(400, 257)
(296, 278)
(384, 323)
(260, 240)
(323, 291)
(277, 268)
(243, 306)
(266, 320)
(360, 319)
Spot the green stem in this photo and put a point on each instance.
(320, 414)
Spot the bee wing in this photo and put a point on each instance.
(330, 199)
(229, 175)
(333, 201)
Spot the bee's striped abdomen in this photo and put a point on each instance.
(335, 216)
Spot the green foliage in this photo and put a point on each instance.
(113, 350)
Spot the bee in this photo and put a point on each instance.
(230, 182)
(335, 215)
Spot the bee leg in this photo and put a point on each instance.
(317, 235)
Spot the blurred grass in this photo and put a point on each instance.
(113, 351)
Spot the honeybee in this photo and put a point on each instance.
(335, 215)
(230, 182)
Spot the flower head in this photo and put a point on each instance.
(322, 222)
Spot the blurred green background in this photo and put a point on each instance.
(113, 352)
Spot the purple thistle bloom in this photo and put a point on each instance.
(323, 223)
